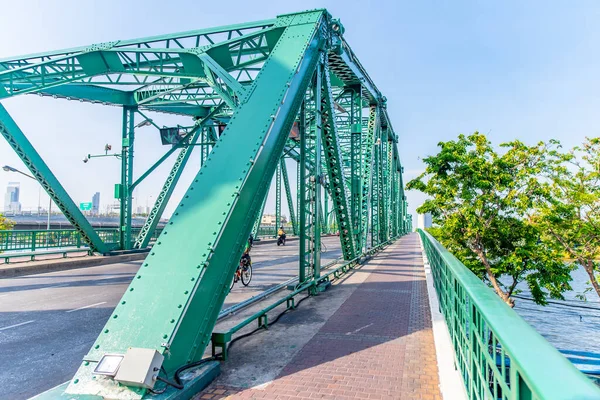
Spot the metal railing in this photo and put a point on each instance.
(271, 230)
(498, 354)
(33, 240)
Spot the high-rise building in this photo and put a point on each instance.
(11, 198)
(96, 203)
(424, 221)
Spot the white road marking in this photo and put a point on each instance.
(2, 295)
(359, 329)
(15, 325)
(84, 307)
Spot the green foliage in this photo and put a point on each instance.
(482, 201)
(5, 223)
(571, 214)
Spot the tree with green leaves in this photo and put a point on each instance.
(5, 223)
(571, 214)
(481, 202)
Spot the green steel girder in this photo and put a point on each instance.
(389, 190)
(127, 145)
(193, 267)
(375, 192)
(138, 64)
(356, 158)
(367, 171)
(335, 170)
(277, 197)
(288, 196)
(193, 38)
(34, 162)
(311, 153)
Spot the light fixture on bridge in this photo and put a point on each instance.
(146, 122)
(109, 364)
(137, 367)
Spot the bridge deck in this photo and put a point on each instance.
(377, 345)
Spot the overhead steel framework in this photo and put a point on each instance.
(263, 96)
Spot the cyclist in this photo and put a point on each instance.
(246, 260)
(244, 269)
(250, 240)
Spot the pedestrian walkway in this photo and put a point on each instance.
(377, 345)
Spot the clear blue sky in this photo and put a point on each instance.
(517, 69)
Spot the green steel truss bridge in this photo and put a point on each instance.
(261, 96)
(258, 94)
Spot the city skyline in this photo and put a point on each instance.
(11, 197)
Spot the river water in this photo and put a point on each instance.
(567, 326)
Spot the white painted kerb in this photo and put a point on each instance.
(451, 383)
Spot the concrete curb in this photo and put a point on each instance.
(62, 264)
(451, 382)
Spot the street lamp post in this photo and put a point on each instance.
(8, 168)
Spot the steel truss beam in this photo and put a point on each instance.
(195, 266)
(125, 192)
(335, 170)
(277, 197)
(367, 173)
(200, 68)
(288, 195)
(40, 170)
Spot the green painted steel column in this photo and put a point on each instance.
(326, 231)
(127, 142)
(278, 197)
(288, 195)
(302, 198)
(316, 178)
(298, 170)
(375, 198)
(42, 173)
(367, 175)
(356, 162)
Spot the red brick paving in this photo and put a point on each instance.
(377, 345)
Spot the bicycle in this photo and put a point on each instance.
(243, 272)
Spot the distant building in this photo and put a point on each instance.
(96, 204)
(11, 198)
(424, 221)
(269, 219)
(142, 210)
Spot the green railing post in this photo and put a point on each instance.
(33, 236)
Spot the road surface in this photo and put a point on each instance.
(49, 321)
